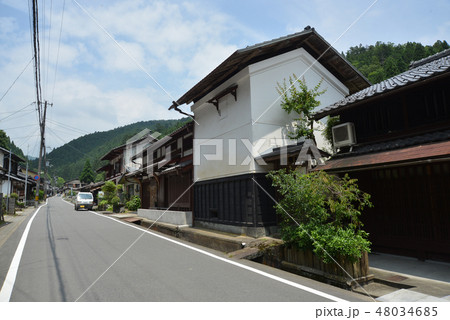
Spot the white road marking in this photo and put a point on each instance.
(8, 284)
(262, 273)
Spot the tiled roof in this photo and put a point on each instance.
(401, 143)
(422, 69)
(423, 61)
(308, 39)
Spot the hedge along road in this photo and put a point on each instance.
(70, 255)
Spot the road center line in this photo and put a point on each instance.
(262, 273)
(8, 284)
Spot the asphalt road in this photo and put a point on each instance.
(82, 256)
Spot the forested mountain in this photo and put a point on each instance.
(68, 160)
(6, 143)
(384, 60)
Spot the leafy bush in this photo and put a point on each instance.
(102, 205)
(320, 212)
(134, 203)
(14, 196)
(41, 194)
(109, 189)
(115, 201)
(297, 98)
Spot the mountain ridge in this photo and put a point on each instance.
(67, 161)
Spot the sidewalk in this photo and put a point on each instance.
(12, 222)
(404, 279)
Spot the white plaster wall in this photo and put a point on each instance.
(225, 130)
(270, 121)
(256, 115)
(5, 186)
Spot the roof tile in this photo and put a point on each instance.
(432, 67)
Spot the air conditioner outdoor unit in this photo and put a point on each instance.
(344, 135)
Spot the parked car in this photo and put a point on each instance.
(84, 200)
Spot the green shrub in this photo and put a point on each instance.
(109, 189)
(41, 194)
(102, 205)
(115, 202)
(14, 196)
(134, 203)
(320, 212)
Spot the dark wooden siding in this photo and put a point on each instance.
(235, 200)
(415, 111)
(411, 212)
(179, 191)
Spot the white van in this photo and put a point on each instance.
(84, 200)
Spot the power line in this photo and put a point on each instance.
(66, 126)
(48, 47)
(57, 53)
(16, 112)
(16, 79)
(65, 142)
(42, 111)
(28, 125)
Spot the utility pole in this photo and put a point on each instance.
(26, 183)
(42, 149)
(9, 179)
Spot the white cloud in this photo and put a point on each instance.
(98, 87)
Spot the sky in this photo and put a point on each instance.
(108, 63)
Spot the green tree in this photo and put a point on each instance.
(4, 140)
(328, 133)
(320, 212)
(100, 177)
(110, 191)
(391, 67)
(87, 175)
(384, 60)
(60, 182)
(296, 97)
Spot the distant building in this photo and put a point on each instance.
(12, 181)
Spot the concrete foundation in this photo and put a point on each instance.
(254, 232)
(179, 218)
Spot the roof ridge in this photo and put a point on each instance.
(292, 35)
(418, 63)
(435, 65)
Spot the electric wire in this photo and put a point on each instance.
(65, 142)
(48, 45)
(16, 79)
(20, 127)
(68, 127)
(16, 112)
(57, 52)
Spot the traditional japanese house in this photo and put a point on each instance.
(238, 118)
(394, 137)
